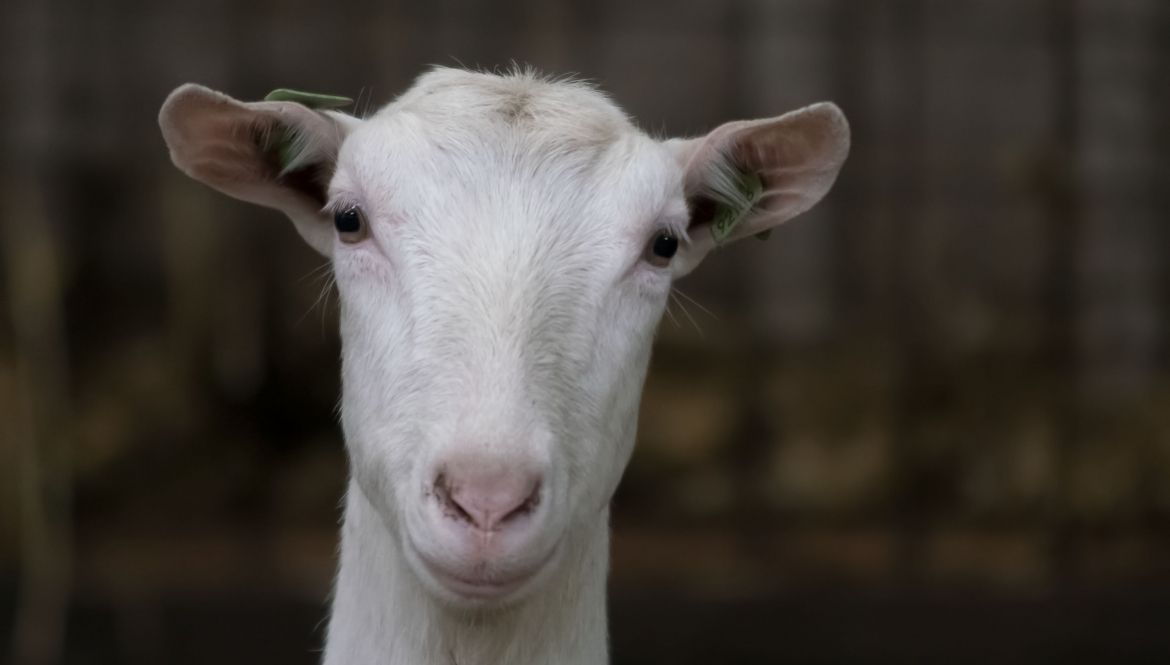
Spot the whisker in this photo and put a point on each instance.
(671, 315)
(688, 314)
(316, 272)
(696, 303)
(322, 298)
(329, 287)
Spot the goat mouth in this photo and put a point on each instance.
(483, 587)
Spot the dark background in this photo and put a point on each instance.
(927, 422)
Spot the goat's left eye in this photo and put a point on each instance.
(661, 249)
(351, 225)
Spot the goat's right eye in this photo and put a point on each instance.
(351, 225)
(661, 249)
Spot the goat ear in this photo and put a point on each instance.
(278, 154)
(746, 177)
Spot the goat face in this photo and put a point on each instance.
(503, 248)
(497, 317)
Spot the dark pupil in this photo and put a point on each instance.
(347, 221)
(665, 246)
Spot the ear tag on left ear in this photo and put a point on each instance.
(309, 99)
(727, 217)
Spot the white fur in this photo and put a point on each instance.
(499, 316)
(502, 303)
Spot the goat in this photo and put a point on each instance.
(503, 247)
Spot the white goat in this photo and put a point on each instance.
(503, 248)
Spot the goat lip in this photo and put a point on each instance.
(480, 588)
(483, 587)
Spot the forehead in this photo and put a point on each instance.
(543, 110)
(461, 136)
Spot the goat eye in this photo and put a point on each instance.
(665, 246)
(351, 225)
(661, 249)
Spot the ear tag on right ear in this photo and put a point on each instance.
(282, 144)
(727, 217)
(309, 99)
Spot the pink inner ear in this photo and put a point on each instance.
(228, 145)
(221, 142)
(227, 155)
(797, 155)
(309, 178)
(793, 158)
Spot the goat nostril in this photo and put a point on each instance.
(487, 501)
(526, 507)
(451, 507)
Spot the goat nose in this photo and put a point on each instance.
(487, 497)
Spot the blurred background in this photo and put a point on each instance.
(928, 421)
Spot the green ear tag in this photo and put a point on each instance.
(727, 217)
(287, 151)
(309, 99)
(280, 143)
